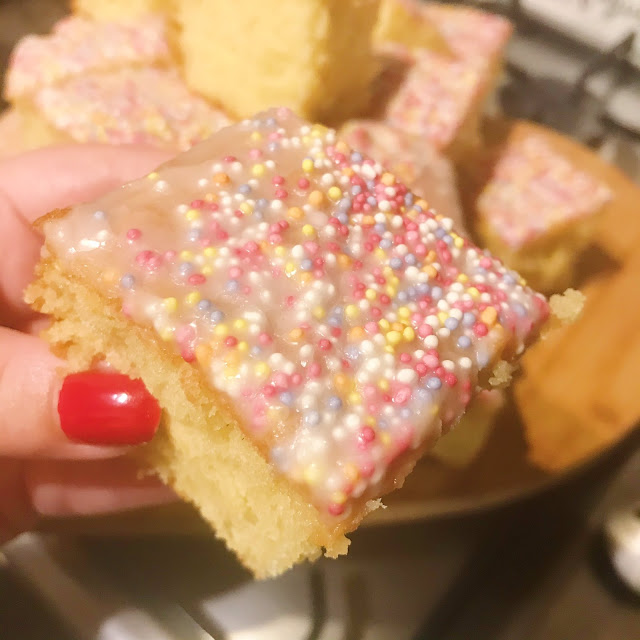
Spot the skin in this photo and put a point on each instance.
(41, 472)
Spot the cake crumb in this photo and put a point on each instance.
(502, 374)
(567, 307)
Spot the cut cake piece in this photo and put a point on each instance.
(314, 56)
(538, 211)
(308, 325)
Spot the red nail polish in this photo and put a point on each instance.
(107, 409)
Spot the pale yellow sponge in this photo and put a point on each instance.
(314, 56)
(121, 9)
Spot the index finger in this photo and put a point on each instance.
(36, 182)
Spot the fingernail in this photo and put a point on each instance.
(107, 409)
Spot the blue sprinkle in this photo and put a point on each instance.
(185, 268)
(262, 203)
(483, 360)
(272, 147)
(256, 350)
(379, 227)
(371, 184)
(436, 293)
(342, 217)
(344, 204)
(405, 413)
(306, 264)
(418, 208)
(356, 189)
(412, 292)
(402, 296)
(127, 281)
(422, 395)
(337, 311)
(423, 289)
(383, 424)
(410, 259)
(334, 403)
(216, 316)
(312, 418)
(386, 243)
(468, 319)
(434, 383)
(232, 285)
(451, 324)
(194, 235)
(99, 215)
(448, 240)
(372, 201)
(356, 157)
(464, 342)
(244, 189)
(258, 215)
(440, 233)
(270, 122)
(352, 352)
(204, 305)
(520, 309)
(335, 322)
(286, 397)
(509, 278)
(395, 263)
(408, 199)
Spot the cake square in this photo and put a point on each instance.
(308, 325)
(538, 211)
(314, 56)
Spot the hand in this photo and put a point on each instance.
(43, 473)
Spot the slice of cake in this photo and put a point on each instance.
(405, 22)
(308, 325)
(76, 46)
(538, 211)
(426, 172)
(130, 106)
(314, 56)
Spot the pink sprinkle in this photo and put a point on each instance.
(264, 339)
(197, 204)
(277, 180)
(336, 509)
(169, 255)
(269, 391)
(251, 247)
(231, 341)
(371, 327)
(143, 257)
(366, 469)
(254, 154)
(431, 361)
(421, 369)
(296, 379)
(303, 183)
(281, 194)
(230, 159)
(425, 330)
(367, 434)
(451, 379)
(402, 395)
(314, 370)
(235, 272)
(133, 234)
(281, 380)
(480, 329)
(187, 354)
(324, 344)
(405, 357)
(486, 263)
(196, 279)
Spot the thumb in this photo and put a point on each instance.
(41, 413)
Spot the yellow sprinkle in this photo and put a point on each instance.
(221, 178)
(473, 292)
(442, 316)
(308, 230)
(385, 438)
(458, 242)
(357, 333)
(153, 175)
(348, 171)
(342, 383)
(435, 409)
(242, 346)
(430, 270)
(207, 270)
(166, 334)
(210, 252)
(257, 170)
(397, 326)
(368, 220)
(280, 251)
(192, 214)
(344, 261)
(306, 141)
(296, 213)
(305, 277)
(256, 136)
(246, 208)
(409, 334)
(388, 179)
(389, 349)
(370, 420)
(295, 335)
(311, 474)
(170, 304)
(390, 290)
(354, 398)
(342, 147)
(262, 369)
(351, 311)
(193, 298)
(307, 165)
(316, 198)
(230, 371)
(463, 277)
(240, 324)
(431, 256)
(351, 472)
(318, 130)
(489, 316)
(289, 268)
(339, 497)
(319, 313)
(394, 337)
(221, 330)
(203, 353)
(404, 313)
(384, 324)
(334, 193)
(370, 294)
(210, 197)
(383, 384)
(422, 204)
(379, 253)
(186, 255)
